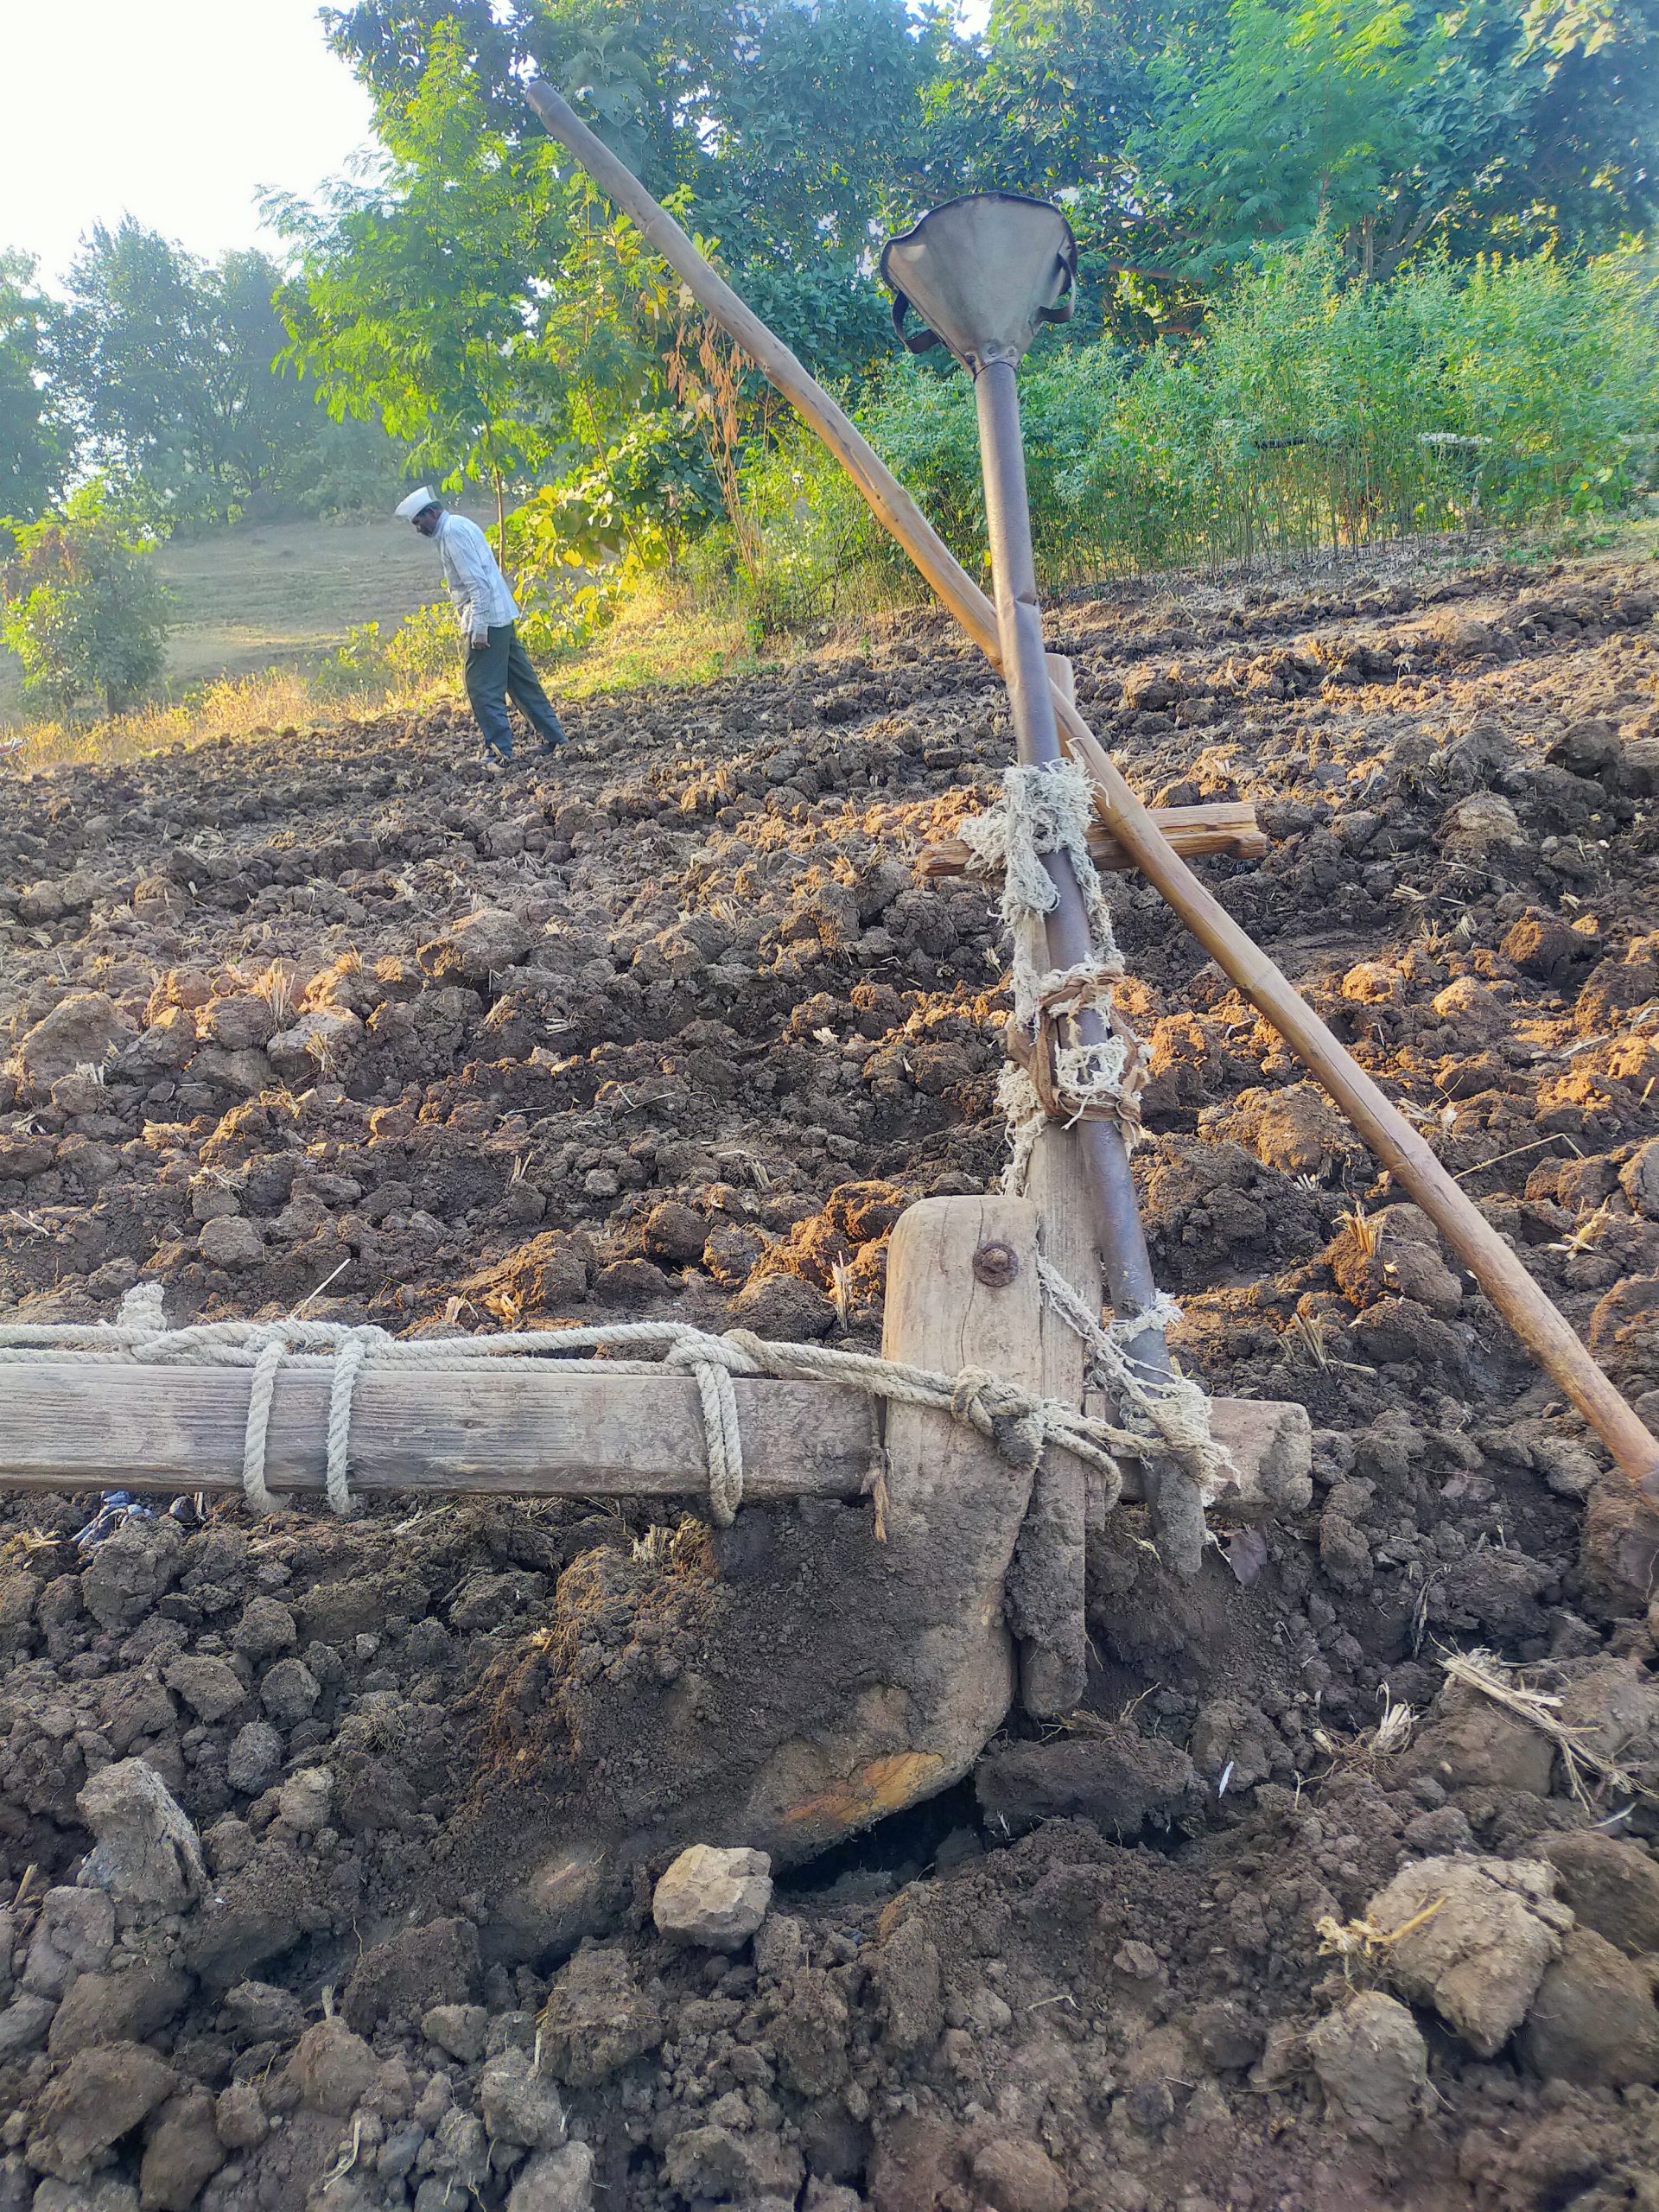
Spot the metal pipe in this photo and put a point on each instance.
(1037, 739)
(1177, 1509)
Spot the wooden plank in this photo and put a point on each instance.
(946, 1483)
(511, 1426)
(1227, 826)
(1271, 1441)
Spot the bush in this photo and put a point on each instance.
(1313, 409)
(83, 609)
(815, 552)
(424, 648)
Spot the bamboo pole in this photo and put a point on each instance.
(1534, 1319)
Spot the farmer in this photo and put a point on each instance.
(497, 667)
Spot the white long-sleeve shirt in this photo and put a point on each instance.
(472, 579)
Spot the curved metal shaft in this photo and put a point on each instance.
(1118, 1234)
(1177, 1509)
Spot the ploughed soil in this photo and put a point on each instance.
(670, 1027)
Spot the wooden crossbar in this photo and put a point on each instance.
(506, 1427)
(1223, 826)
(516, 1427)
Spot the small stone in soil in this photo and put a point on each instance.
(717, 1899)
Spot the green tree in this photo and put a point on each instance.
(33, 443)
(168, 366)
(422, 298)
(1309, 118)
(82, 607)
(799, 132)
(1387, 123)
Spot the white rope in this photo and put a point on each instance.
(1048, 811)
(1042, 809)
(1173, 1408)
(262, 1389)
(356, 1348)
(1026, 1119)
(1022, 1424)
(1073, 1055)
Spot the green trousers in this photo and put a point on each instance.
(498, 672)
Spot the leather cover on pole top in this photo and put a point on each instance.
(984, 271)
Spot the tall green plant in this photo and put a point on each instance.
(82, 607)
(1316, 410)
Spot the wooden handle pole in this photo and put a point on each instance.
(1500, 1273)
(1227, 826)
(1542, 1328)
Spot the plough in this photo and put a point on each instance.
(974, 1592)
(1390, 1137)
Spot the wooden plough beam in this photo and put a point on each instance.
(507, 1428)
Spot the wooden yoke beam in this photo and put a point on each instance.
(500, 1427)
(1224, 826)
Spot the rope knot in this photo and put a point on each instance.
(142, 1312)
(1078, 1059)
(713, 1360)
(1011, 1418)
(694, 1349)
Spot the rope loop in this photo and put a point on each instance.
(713, 1363)
(262, 1389)
(355, 1350)
(1063, 1073)
(1022, 1424)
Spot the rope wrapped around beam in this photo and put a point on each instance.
(1058, 1074)
(1020, 1424)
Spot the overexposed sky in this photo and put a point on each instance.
(179, 113)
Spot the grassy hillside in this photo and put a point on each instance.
(278, 594)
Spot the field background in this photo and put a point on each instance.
(278, 595)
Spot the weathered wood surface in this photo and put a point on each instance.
(1271, 1444)
(946, 1485)
(512, 1428)
(520, 1427)
(1227, 826)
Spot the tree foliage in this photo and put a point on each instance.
(473, 298)
(420, 299)
(33, 441)
(166, 367)
(1182, 134)
(1392, 123)
(82, 607)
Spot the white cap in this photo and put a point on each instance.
(416, 503)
